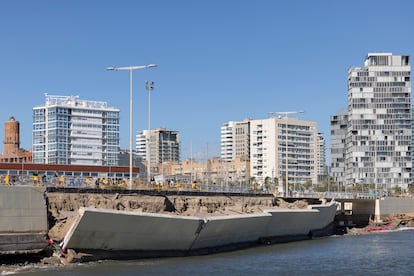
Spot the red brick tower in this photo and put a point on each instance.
(11, 136)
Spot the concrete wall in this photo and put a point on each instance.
(299, 222)
(290, 222)
(22, 209)
(326, 215)
(23, 219)
(225, 230)
(365, 209)
(120, 230)
(396, 205)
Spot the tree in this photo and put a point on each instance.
(253, 183)
(267, 183)
(411, 188)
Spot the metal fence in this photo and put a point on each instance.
(138, 184)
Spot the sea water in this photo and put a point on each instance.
(383, 253)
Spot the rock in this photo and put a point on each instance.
(53, 260)
(70, 257)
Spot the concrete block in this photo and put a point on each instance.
(120, 230)
(226, 230)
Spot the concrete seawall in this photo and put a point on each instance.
(23, 219)
(230, 230)
(97, 229)
(203, 221)
(395, 205)
(293, 224)
(118, 230)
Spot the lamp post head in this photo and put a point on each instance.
(130, 68)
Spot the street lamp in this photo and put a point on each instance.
(149, 85)
(130, 69)
(286, 142)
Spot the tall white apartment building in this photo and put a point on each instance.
(235, 140)
(279, 141)
(378, 140)
(68, 130)
(158, 145)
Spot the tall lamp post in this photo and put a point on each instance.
(130, 69)
(149, 85)
(286, 113)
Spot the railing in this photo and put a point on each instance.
(137, 184)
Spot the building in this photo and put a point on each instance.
(321, 153)
(159, 145)
(282, 145)
(339, 128)
(136, 162)
(71, 131)
(12, 151)
(215, 171)
(378, 139)
(235, 140)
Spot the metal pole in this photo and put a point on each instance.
(130, 128)
(375, 168)
(149, 137)
(162, 157)
(286, 158)
(130, 69)
(206, 185)
(149, 86)
(191, 162)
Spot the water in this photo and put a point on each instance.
(390, 253)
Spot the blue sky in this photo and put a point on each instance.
(218, 60)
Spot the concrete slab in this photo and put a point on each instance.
(23, 219)
(102, 229)
(120, 230)
(235, 229)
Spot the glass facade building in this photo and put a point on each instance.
(67, 130)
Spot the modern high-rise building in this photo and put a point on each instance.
(158, 145)
(235, 140)
(321, 153)
(265, 142)
(68, 130)
(339, 129)
(378, 138)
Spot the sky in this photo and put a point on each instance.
(218, 60)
